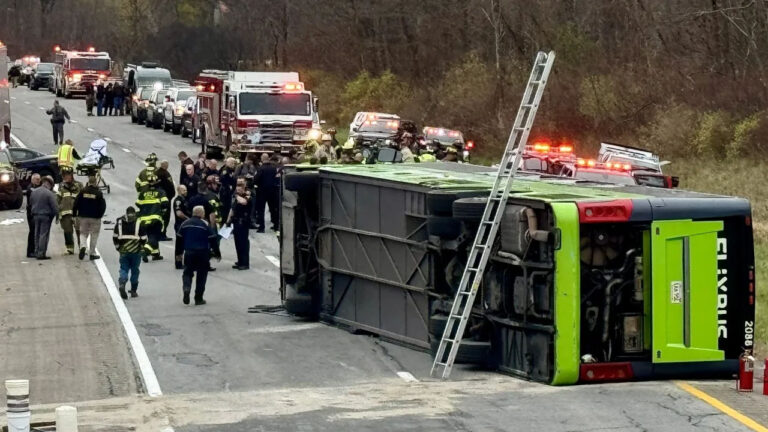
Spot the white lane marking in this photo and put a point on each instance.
(73, 121)
(18, 141)
(13, 97)
(89, 129)
(41, 108)
(407, 376)
(126, 150)
(273, 260)
(26, 102)
(145, 366)
(284, 328)
(108, 139)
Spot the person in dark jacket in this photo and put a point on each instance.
(185, 160)
(109, 99)
(90, 98)
(117, 95)
(34, 183)
(44, 210)
(199, 239)
(166, 183)
(191, 180)
(100, 95)
(89, 208)
(267, 185)
(228, 181)
(14, 73)
(181, 212)
(129, 238)
(240, 220)
(247, 170)
(58, 114)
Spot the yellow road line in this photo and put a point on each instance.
(741, 418)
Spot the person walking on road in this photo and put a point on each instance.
(90, 98)
(89, 208)
(34, 183)
(109, 100)
(181, 213)
(58, 114)
(44, 211)
(100, 95)
(199, 239)
(129, 238)
(240, 220)
(166, 183)
(152, 204)
(69, 189)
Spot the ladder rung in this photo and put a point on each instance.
(440, 363)
(456, 316)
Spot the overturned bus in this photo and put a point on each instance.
(587, 281)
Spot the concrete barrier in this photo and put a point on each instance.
(17, 413)
(66, 419)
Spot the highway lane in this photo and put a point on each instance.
(220, 349)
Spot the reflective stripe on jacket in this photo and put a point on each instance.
(66, 196)
(151, 204)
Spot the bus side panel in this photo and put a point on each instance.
(567, 295)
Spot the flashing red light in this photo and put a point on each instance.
(605, 211)
(565, 148)
(541, 147)
(57, 48)
(294, 86)
(392, 124)
(212, 87)
(581, 162)
(199, 87)
(91, 49)
(627, 167)
(591, 163)
(618, 371)
(470, 145)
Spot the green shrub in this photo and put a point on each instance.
(713, 132)
(743, 136)
(384, 93)
(671, 131)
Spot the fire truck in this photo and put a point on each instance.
(254, 112)
(75, 68)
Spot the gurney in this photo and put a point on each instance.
(94, 161)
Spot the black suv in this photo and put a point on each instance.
(42, 76)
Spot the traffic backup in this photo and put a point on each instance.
(587, 281)
(255, 112)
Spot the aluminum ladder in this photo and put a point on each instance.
(494, 210)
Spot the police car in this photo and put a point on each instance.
(11, 193)
(27, 161)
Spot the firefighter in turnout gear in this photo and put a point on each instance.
(129, 238)
(69, 188)
(152, 204)
(141, 179)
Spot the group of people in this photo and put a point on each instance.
(109, 100)
(76, 208)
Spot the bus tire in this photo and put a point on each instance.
(301, 181)
(469, 209)
(470, 351)
(439, 202)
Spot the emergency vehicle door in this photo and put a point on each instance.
(684, 291)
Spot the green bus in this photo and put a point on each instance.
(587, 282)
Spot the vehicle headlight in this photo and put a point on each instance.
(77, 77)
(158, 85)
(314, 134)
(179, 110)
(6, 177)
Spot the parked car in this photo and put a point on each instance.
(139, 103)
(11, 193)
(174, 109)
(42, 76)
(28, 161)
(188, 119)
(155, 106)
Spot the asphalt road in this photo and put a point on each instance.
(223, 369)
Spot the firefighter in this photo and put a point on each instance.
(129, 238)
(141, 179)
(69, 188)
(152, 204)
(267, 194)
(66, 156)
(427, 155)
(405, 147)
(451, 155)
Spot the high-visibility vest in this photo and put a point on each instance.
(427, 157)
(65, 156)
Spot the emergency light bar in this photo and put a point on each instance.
(590, 163)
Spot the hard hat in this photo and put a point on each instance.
(151, 159)
(349, 144)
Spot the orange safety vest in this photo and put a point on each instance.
(65, 156)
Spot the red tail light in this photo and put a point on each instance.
(605, 211)
(470, 145)
(302, 124)
(596, 372)
(244, 124)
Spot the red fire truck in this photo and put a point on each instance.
(254, 112)
(75, 68)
